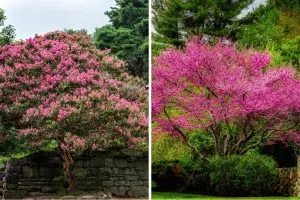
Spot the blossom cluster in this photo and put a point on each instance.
(206, 84)
(62, 87)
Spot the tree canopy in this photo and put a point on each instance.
(127, 36)
(229, 95)
(60, 87)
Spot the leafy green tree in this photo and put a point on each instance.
(259, 34)
(7, 138)
(127, 36)
(175, 19)
(7, 33)
(275, 27)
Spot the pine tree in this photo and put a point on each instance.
(178, 18)
(127, 36)
(166, 19)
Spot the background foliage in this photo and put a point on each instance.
(247, 175)
(176, 20)
(127, 36)
(7, 33)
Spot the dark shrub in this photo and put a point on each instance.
(178, 176)
(251, 175)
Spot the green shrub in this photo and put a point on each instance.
(166, 148)
(264, 31)
(17, 146)
(159, 43)
(202, 141)
(159, 47)
(252, 174)
(288, 51)
(14, 144)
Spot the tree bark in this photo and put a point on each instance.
(68, 164)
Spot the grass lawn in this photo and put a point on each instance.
(170, 195)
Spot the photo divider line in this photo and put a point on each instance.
(150, 94)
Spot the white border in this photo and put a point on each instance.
(150, 95)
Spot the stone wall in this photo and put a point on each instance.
(288, 180)
(2, 170)
(112, 171)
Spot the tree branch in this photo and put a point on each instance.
(201, 156)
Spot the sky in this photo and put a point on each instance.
(254, 5)
(41, 16)
(258, 2)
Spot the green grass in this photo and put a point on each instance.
(170, 195)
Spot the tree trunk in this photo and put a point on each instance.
(68, 164)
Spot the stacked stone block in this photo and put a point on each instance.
(112, 171)
(288, 181)
(2, 179)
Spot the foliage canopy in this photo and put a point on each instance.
(127, 37)
(60, 87)
(228, 94)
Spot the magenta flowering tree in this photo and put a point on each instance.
(233, 96)
(60, 87)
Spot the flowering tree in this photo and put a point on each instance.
(59, 86)
(228, 94)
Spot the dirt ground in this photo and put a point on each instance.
(92, 196)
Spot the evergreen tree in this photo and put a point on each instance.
(176, 18)
(7, 33)
(166, 19)
(127, 36)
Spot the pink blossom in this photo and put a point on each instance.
(61, 85)
(203, 86)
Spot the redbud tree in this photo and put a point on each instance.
(60, 87)
(232, 96)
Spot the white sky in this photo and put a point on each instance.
(40, 16)
(255, 4)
